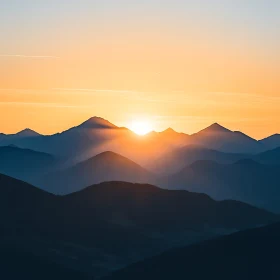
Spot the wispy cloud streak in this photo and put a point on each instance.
(51, 105)
(28, 56)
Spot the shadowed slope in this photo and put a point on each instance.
(272, 141)
(113, 224)
(246, 180)
(269, 157)
(24, 164)
(179, 158)
(251, 254)
(17, 264)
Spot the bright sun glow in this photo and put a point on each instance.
(141, 127)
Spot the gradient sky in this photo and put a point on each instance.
(184, 64)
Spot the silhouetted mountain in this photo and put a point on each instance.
(107, 166)
(27, 133)
(246, 180)
(179, 158)
(251, 254)
(113, 224)
(7, 139)
(271, 142)
(97, 123)
(219, 138)
(24, 164)
(77, 143)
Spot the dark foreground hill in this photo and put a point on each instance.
(252, 254)
(16, 264)
(111, 225)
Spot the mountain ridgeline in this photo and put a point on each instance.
(97, 135)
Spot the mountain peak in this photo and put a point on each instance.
(215, 127)
(28, 133)
(169, 130)
(97, 122)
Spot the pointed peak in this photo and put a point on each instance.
(169, 130)
(97, 122)
(215, 127)
(28, 133)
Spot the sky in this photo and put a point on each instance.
(180, 64)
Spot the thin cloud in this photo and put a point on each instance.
(102, 90)
(28, 56)
(51, 105)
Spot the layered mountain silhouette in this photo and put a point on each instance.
(251, 254)
(113, 224)
(97, 135)
(107, 166)
(24, 164)
(8, 139)
(245, 180)
(179, 158)
(76, 143)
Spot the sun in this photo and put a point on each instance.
(141, 127)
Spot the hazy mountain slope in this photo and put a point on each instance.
(251, 254)
(24, 164)
(107, 166)
(75, 141)
(269, 157)
(179, 158)
(219, 138)
(246, 180)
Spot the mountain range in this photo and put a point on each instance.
(97, 151)
(110, 202)
(97, 135)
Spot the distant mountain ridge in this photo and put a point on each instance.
(97, 135)
(24, 164)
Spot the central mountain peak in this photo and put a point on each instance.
(96, 122)
(215, 127)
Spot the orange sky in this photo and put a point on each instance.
(184, 75)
